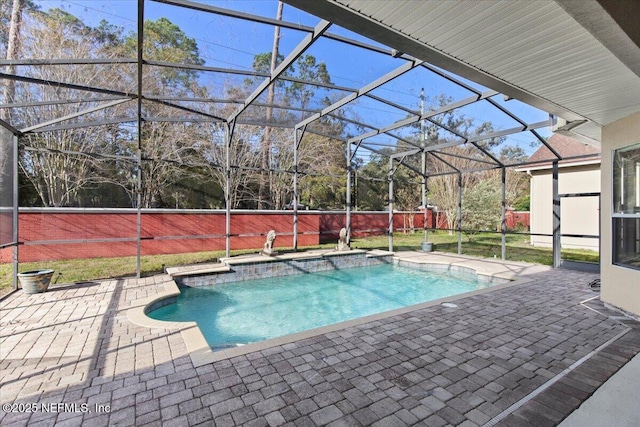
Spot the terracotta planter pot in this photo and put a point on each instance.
(37, 281)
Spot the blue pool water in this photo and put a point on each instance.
(244, 312)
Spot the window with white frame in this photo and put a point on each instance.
(626, 206)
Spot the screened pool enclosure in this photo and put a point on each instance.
(236, 106)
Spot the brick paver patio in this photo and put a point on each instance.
(74, 348)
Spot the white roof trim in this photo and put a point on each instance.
(561, 164)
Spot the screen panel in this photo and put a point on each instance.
(6, 187)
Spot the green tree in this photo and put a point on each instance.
(325, 186)
(301, 94)
(166, 42)
(108, 35)
(482, 205)
(262, 64)
(372, 191)
(523, 203)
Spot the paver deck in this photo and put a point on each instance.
(71, 357)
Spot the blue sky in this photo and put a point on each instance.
(231, 43)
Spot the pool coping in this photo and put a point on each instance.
(201, 353)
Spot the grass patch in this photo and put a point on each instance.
(82, 270)
(487, 245)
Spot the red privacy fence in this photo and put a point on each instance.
(52, 234)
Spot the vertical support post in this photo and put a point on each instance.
(503, 222)
(390, 205)
(228, 134)
(139, 123)
(139, 211)
(424, 193)
(298, 134)
(459, 213)
(348, 196)
(600, 232)
(557, 260)
(424, 164)
(16, 219)
(295, 190)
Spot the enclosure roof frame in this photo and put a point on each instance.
(321, 30)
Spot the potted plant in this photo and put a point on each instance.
(35, 281)
(426, 246)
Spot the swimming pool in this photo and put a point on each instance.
(244, 312)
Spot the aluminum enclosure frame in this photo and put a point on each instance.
(351, 145)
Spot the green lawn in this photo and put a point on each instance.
(487, 245)
(78, 270)
(483, 245)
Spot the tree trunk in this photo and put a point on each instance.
(12, 53)
(263, 189)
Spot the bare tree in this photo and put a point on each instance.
(325, 162)
(443, 189)
(451, 165)
(407, 199)
(245, 161)
(60, 163)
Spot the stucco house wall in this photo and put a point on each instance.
(579, 215)
(620, 285)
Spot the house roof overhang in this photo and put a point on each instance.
(571, 163)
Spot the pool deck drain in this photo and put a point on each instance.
(431, 366)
